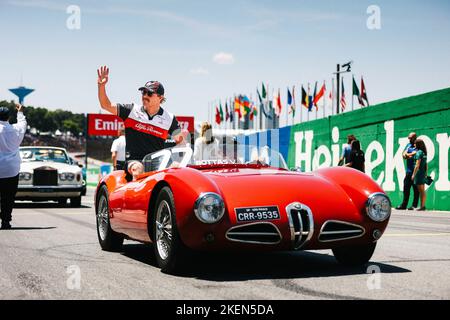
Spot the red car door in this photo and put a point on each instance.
(134, 212)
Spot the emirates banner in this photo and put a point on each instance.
(109, 125)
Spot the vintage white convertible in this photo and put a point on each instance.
(48, 173)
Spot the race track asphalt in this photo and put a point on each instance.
(49, 246)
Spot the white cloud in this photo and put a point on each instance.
(199, 71)
(223, 58)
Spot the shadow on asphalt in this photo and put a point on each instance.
(45, 205)
(258, 266)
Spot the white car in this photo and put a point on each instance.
(48, 173)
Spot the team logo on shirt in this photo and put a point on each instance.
(158, 126)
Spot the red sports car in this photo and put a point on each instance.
(240, 199)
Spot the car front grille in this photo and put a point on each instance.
(301, 224)
(334, 230)
(258, 233)
(45, 176)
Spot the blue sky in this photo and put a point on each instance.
(279, 42)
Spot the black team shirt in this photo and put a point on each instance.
(145, 134)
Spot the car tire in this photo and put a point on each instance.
(75, 202)
(109, 239)
(354, 255)
(170, 252)
(62, 201)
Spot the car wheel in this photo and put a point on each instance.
(354, 255)
(169, 250)
(62, 202)
(75, 202)
(109, 239)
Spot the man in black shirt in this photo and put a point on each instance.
(147, 126)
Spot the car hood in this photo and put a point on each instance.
(61, 167)
(267, 187)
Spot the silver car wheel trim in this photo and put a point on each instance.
(102, 218)
(163, 230)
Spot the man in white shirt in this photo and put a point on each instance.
(11, 137)
(118, 151)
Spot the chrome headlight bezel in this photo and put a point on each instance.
(199, 208)
(25, 176)
(66, 176)
(380, 199)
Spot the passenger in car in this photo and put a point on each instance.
(135, 168)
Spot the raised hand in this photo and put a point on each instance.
(103, 74)
(19, 107)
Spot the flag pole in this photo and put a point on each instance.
(353, 91)
(301, 105)
(287, 112)
(307, 97)
(324, 98)
(332, 96)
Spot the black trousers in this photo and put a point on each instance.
(407, 184)
(8, 189)
(120, 165)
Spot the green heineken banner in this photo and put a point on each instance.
(383, 131)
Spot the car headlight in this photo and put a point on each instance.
(25, 176)
(66, 176)
(209, 207)
(378, 207)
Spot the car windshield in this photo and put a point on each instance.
(44, 154)
(214, 155)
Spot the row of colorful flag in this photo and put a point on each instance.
(242, 105)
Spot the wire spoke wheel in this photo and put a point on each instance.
(164, 229)
(102, 218)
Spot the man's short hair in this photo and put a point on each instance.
(4, 113)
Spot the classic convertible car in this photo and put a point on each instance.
(48, 173)
(243, 199)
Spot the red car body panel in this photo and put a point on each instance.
(331, 194)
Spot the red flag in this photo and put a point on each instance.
(279, 106)
(227, 114)
(363, 92)
(319, 94)
(218, 120)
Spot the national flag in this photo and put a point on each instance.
(261, 103)
(227, 116)
(289, 100)
(263, 92)
(310, 100)
(237, 106)
(221, 112)
(246, 104)
(218, 121)
(253, 111)
(231, 111)
(363, 92)
(320, 94)
(289, 97)
(314, 96)
(355, 90)
(305, 100)
(293, 102)
(343, 103)
(271, 110)
(279, 107)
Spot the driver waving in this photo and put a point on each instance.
(147, 126)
